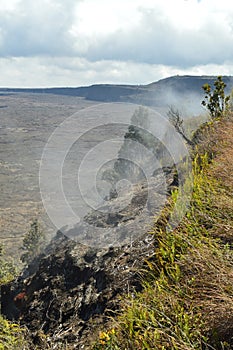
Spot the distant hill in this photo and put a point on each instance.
(173, 90)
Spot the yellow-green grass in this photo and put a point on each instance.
(187, 300)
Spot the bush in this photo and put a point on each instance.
(215, 100)
(32, 242)
(11, 336)
(7, 268)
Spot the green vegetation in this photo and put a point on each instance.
(11, 335)
(32, 242)
(7, 268)
(215, 101)
(187, 300)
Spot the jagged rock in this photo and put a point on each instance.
(71, 289)
(125, 218)
(76, 288)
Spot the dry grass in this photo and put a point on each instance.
(187, 302)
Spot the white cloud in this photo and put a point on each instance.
(33, 28)
(174, 33)
(66, 71)
(8, 6)
(80, 42)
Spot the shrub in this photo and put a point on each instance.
(32, 242)
(7, 268)
(215, 100)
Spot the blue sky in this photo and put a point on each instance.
(84, 42)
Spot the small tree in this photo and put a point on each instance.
(178, 122)
(137, 130)
(140, 117)
(215, 100)
(32, 242)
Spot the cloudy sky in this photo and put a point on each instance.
(83, 42)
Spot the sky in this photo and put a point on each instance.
(50, 43)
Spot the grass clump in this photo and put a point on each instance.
(187, 300)
(11, 334)
(7, 268)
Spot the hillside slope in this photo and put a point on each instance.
(187, 301)
(79, 298)
(164, 92)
